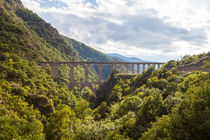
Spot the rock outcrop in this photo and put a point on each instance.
(40, 102)
(195, 66)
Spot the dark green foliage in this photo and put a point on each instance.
(164, 73)
(156, 83)
(129, 104)
(101, 111)
(116, 95)
(170, 64)
(151, 107)
(107, 86)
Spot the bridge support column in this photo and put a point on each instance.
(133, 70)
(158, 66)
(138, 68)
(100, 74)
(55, 67)
(143, 67)
(86, 73)
(126, 68)
(112, 67)
(71, 80)
(121, 68)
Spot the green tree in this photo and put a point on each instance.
(60, 125)
(151, 107)
(190, 119)
(116, 95)
(18, 120)
(129, 104)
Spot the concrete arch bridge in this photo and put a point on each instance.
(123, 67)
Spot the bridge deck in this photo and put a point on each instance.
(100, 62)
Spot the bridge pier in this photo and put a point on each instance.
(138, 68)
(158, 66)
(86, 72)
(112, 67)
(143, 67)
(127, 68)
(71, 79)
(100, 74)
(133, 70)
(55, 68)
(121, 68)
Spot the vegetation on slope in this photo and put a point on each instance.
(152, 105)
(157, 104)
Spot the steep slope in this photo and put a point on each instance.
(48, 33)
(87, 52)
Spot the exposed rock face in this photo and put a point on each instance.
(40, 102)
(13, 3)
(18, 3)
(1, 5)
(0, 99)
(195, 66)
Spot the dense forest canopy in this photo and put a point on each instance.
(157, 104)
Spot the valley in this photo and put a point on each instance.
(47, 92)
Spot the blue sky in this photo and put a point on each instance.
(148, 29)
(60, 4)
(52, 3)
(92, 2)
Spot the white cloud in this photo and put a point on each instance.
(32, 5)
(163, 29)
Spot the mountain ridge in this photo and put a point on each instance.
(122, 58)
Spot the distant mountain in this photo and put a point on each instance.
(121, 58)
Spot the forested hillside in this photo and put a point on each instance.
(157, 104)
(33, 39)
